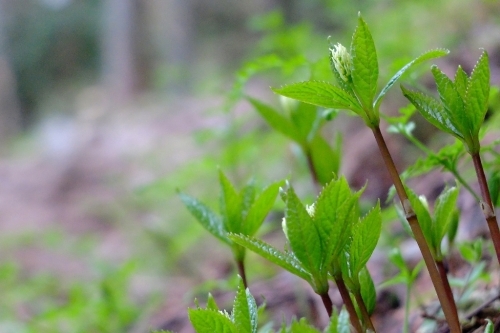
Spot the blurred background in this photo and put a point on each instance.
(108, 106)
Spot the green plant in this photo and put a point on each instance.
(331, 239)
(303, 126)
(240, 212)
(244, 318)
(460, 112)
(328, 239)
(356, 73)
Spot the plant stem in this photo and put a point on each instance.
(486, 204)
(346, 297)
(241, 270)
(327, 302)
(446, 283)
(364, 312)
(446, 303)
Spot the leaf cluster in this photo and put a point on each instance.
(462, 103)
(328, 240)
(240, 211)
(357, 91)
(443, 222)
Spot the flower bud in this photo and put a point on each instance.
(342, 61)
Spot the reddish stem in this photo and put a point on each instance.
(487, 204)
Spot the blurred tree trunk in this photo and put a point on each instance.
(172, 33)
(10, 112)
(120, 69)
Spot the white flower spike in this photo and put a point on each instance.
(342, 61)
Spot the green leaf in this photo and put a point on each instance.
(304, 238)
(365, 235)
(432, 110)
(276, 120)
(302, 327)
(325, 159)
(364, 64)
(306, 119)
(210, 321)
(244, 310)
(207, 218)
(477, 93)
(260, 208)
(489, 327)
(211, 303)
(343, 325)
(247, 198)
(443, 214)
(284, 260)
(335, 211)
(320, 93)
(368, 293)
(461, 82)
(424, 218)
(432, 54)
(333, 323)
(452, 102)
(231, 204)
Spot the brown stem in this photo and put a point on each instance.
(487, 204)
(444, 277)
(364, 312)
(241, 270)
(327, 302)
(346, 297)
(446, 303)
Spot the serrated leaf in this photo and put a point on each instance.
(334, 215)
(364, 64)
(325, 159)
(443, 213)
(211, 303)
(272, 254)
(244, 311)
(276, 120)
(368, 293)
(452, 102)
(461, 82)
(303, 236)
(231, 204)
(260, 208)
(432, 110)
(432, 54)
(477, 94)
(320, 93)
(247, 198)
(302, 327)
(209, 321)
(365, 235)
(206, 217)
